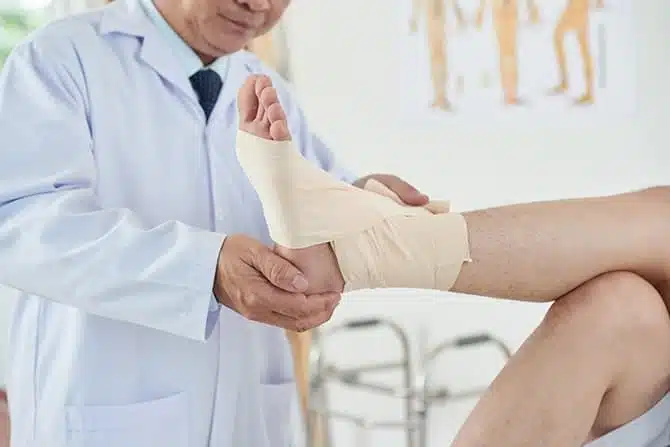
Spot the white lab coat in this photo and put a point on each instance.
(115, 197)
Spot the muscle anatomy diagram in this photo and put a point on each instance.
(575, 18)
(502, 22)
(435, 14)
(506, 24)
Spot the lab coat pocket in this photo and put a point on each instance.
(279, 409)
(157, 423)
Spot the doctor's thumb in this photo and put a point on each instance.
(281, 273)
(407, 193)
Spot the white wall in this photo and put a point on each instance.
(344, 49)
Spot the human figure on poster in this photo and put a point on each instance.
(506, 25)
(435, 13)
(576, 18)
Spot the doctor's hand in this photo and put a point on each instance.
(262, 286)
(405, 192)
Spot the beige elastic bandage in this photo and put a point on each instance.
(379, 243)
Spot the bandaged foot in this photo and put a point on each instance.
(342, 237)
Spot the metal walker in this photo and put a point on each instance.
(416, 394)
(432, 395)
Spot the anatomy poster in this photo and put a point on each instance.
(533, 57)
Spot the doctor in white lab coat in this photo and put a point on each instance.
(152, 307)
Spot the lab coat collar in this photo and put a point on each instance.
(188, 58)
(128, 17)
(125, 17)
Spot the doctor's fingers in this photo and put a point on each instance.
(267, 298)
(291, 311)
(279, 271)
(310, 321)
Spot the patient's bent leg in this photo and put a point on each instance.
(543, 250)
(573, 380)
(536, 251)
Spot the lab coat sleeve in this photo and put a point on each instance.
(57, 242)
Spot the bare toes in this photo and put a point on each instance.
(247, 101)
(261, 113)
(263, 83)
(268, 96)
(275, 112)
(253, 113)
(279, 131)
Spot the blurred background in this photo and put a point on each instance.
(20, 17)
(364, 74)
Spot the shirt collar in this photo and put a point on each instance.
(187, 57)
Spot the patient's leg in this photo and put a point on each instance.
(541, 251)
(600, 359)
(537, 251)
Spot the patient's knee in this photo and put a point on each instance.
(660, 192)
(616, 306)
(657, 202)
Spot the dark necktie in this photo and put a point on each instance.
(207, 85)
